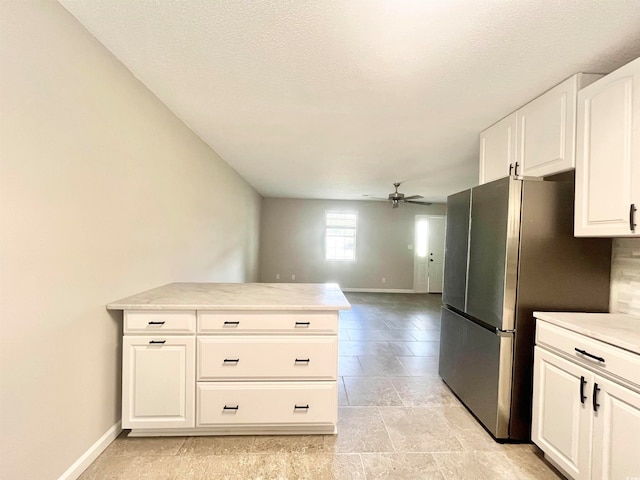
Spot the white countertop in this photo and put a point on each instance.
(237, 296)
(617, 329)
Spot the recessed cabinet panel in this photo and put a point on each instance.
(498, 149)
(266, 403)
(562, 421)
(272, 357)
(616, 433)
(158, 377)
(608, 155)
(546, 131)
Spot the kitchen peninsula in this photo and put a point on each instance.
(231, 358)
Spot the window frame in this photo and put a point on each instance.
(328, 226)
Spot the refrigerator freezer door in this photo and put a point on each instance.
(456, 250)
(477, 365)
(493, 252)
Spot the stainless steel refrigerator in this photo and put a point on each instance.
(510, 250)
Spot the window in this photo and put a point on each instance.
(340, 236)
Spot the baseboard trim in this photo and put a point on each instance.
(80, 465)
(378, 290)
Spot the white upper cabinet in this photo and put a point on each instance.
(546, 129)
(608, 155)
(498, 150)
(538, 139)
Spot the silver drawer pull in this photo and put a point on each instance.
(302, 324)
(590, 355)
(231, 360)
(157, 342)
(231, 324)
(226, 407)
(301, 407)
(156, 323)
(302, 360)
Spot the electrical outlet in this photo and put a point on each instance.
(384, 280)
(277, 276)
(293, 277)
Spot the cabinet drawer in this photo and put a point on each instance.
(267, 322)
(614, 361)
(272, 357)
(149, 322)
(266, 403)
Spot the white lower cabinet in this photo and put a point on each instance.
(585, 419)
(221, 373)
(267, 403)
(562, 419)
(616, 432)
(158, 375)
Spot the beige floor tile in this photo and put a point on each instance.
(343, 400)
(381, 366)
(133, 446)
(371, 391)
(420, 366)
(419, 429)
(219, 445)
(476, 466)
(349, 366)
(288, 444)
(374, 348)
(530, 465)
(315, 466)
(425, 349)
(422, 391)
(251, 466)
(401, 466)
(360, 429)
(383, 335)
(426, 335)
(165, 467)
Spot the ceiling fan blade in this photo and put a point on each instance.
(417, 203)
(412, 197)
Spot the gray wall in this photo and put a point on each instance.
(292, 242)
(103, 193)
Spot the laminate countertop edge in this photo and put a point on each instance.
(618, 329)
(238, 296)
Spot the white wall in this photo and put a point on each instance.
(625, 276)
(104, 193)
(292, 242)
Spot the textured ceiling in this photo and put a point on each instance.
(336, 99)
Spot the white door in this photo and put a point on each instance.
(616, 432)
(608, 155)
(498, 150)
(158, 382)
(562, 415)
(420, 251)
(435, 269)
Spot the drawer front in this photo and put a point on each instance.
(612, 360)
(149, 322)
(267, 322)
(266, 403)
(267, 357)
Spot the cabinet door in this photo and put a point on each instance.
(616, 432)
(498, 149)
(562, 415)
(546, 131)
(608, 154)
(158, 382)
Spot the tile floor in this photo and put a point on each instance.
(397, 419)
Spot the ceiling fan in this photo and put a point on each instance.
(396, 198)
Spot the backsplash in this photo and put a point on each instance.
(625, 276)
